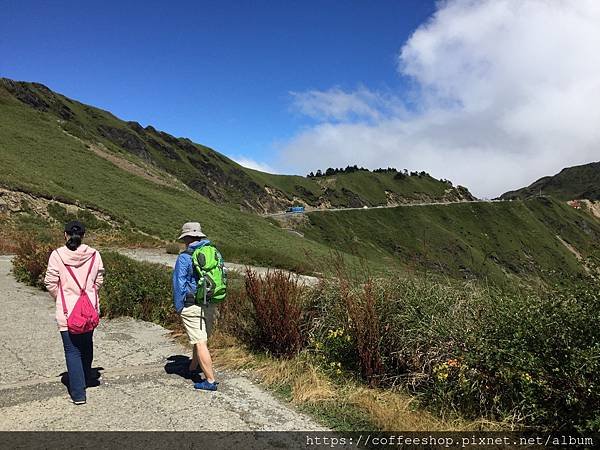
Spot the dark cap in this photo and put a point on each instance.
(75, 227)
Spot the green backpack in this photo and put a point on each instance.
(210, 271)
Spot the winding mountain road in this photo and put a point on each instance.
(363, 208)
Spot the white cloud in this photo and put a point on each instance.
(337, 105)
(252, 164)
(506, 91)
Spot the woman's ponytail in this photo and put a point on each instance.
(75, 231)
(73, 242)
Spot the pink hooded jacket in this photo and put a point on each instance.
(57, 275)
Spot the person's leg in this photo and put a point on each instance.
(206, 321)
(74, 367)
(194, 362)
(87, 355)
(205, 361)
(191, 316)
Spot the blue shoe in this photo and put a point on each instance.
(206, 386)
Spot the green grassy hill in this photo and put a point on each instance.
(498, 241)
(208, 172)
(578, 182)
(145, 180)
(39, 157)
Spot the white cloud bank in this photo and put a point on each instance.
(252, 164)
(506, 91)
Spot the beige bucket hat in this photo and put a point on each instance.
(192, 229)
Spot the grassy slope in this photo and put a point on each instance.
(207, 171)
(578, 182)
(462, 240)
(484, 239)
(36, 155)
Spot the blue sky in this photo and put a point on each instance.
(219, 72)
(491, 94)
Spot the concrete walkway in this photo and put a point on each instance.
(159, 256)
(139, 389)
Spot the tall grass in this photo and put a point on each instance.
(276, 300)
(524, 357)
(520, 357)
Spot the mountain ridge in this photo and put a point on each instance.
(218, 177)
(580, 182)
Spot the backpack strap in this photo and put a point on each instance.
(86, 277)
(62, 297)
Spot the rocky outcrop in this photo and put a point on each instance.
(593, 207)
(38, 97)
(125, 139)
(18, 202)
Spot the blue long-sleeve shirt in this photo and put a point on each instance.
(184, 279)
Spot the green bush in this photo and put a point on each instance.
(60, 214)
(523, 357)
(137, 289)
(173, 248)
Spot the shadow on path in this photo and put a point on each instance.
(93, 381)
(179, 365)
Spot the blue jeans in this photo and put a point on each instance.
(79, 352)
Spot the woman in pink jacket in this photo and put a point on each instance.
(86, 270)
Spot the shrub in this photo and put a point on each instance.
(31, 261)
(8, 243)
(237, 317)
(137, 289)
(276, 301)
(173, 248)
(364, 325)
(536, 358)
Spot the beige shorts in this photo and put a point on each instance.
(197, 322)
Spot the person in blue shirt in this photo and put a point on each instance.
(197, 319)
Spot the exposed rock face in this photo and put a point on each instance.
(592, 206)
(125, 139)
(15, 202)
(166, 151)
(26, 93)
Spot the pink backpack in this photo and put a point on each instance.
(84, 316)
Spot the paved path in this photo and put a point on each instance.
(137, 392)
(159, 256)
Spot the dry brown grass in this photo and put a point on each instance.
(8, 246)
(394, 411)
(388, 410)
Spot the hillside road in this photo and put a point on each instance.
(363, 208)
